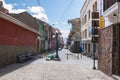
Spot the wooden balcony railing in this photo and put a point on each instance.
(108, 3)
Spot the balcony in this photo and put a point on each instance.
(110, 10)
(108, 3)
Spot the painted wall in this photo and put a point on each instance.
(11, 34)
(42, 32)
(53, 44)
(15, 40)
(53, 40)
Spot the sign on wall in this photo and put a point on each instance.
(102, 21)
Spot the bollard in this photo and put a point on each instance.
(67, 54)
(78, 56)
(46, 54)
(81, 55)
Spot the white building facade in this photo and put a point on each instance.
(110, 10)
(88, 8)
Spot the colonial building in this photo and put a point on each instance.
(26, 18)
(22, 33)
(88, 13)
(47, 37)
(75, 35)
(43, 27)
(29, 20)
(109, 40)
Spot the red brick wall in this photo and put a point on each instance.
(105, 50)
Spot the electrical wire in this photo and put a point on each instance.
(38, 2)
(25, 3)
(66, 10)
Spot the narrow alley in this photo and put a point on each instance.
(40, 69)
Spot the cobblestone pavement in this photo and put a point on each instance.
(40, 69)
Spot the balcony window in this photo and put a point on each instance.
(86, 33)
(95, 7)
(85, 19)
(88, 14)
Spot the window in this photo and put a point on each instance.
(108, 3)
(86, 33)
(90, 31)
(85, 18)
(88, 14)
(95, 6)
(88, 47)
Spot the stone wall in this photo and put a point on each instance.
(109, 50)
(105, 50)
(8, 53)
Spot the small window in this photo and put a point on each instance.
(89, 14)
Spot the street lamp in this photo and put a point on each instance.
(57, 58)
(94, 56)
(94, 39)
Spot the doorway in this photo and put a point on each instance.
(116, 50)
(38, 45)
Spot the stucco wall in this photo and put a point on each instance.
(8, 53)
(12, 34)
(15, 40)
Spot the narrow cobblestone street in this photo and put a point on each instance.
(40, 69)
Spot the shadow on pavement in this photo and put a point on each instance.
(10, 68)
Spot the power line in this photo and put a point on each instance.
(39, 3)
(66, 9)
(25, 3)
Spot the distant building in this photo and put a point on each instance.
(75, 35)
(27, 19)
(41, 26)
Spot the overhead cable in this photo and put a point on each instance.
(66, 10)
